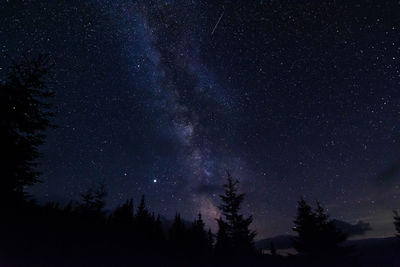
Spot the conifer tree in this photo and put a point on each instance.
(177, 232)
(305, 225)
(198, 227)
(25, 113)
(199, 237)
(210, 238)
(223, 244)
(100, 195)
(316, 233)
(234, 234)
(142, 220)
(158, 229)
(142, 211)
(123, 214)
(93, 203)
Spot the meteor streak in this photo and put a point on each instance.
(216, 25)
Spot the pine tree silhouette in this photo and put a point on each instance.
(223, 244)
(199, 237)
(177, 233)
(158, 230)
(25, 114)
(198, 228)
(142, 212)
(99, 198)
(123, 214)
(143, 221)
(210, 239)
(305, 225)
(316, 234)
(234, 235)
(93, 203)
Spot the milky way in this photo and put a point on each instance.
(294, 98)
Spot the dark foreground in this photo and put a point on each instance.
(47, 236)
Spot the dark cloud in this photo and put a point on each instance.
(359, 228)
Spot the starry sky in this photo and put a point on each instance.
(293, 97)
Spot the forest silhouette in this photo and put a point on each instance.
(82, 233)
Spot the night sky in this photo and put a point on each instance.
(295, 98)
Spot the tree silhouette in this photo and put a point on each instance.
(199, 237)
(158, 230)
(142, 214)
(305, 224)
(223, 245)
(198, 230)
(143, 221)
(234, 235)
(123, 214)
(316, 233)
(210, 238)
(177, 233)
(93, 203)
(396, 218)
(25, 114)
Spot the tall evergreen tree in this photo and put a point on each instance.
(210, 238)
(123, 214)
(198, 227)
(143, 220)
(316, 233)
(100, 195)
(223, 244)
(25, 113)
(199, 237)
(234, 234)
(177, 232)
(305, 225)
(142, 212)
(158, 229)
(93, 202)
